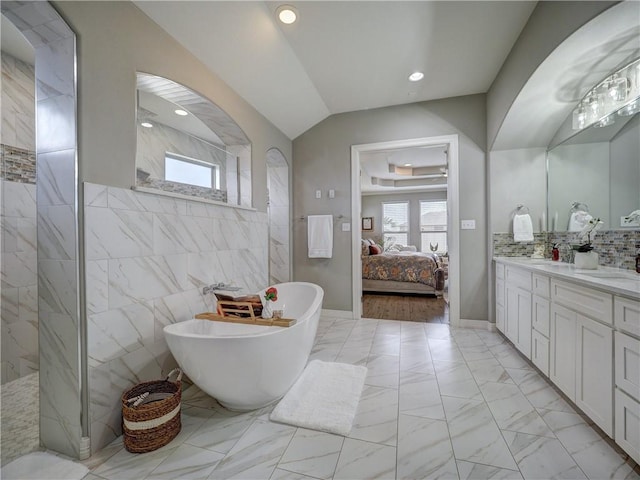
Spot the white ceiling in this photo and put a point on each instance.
(344, 55)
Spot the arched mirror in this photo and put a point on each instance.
(187, 145)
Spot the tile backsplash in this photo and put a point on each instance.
(616, 248)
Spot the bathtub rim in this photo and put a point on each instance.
(269, 329)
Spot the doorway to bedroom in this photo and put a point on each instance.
(407, 234)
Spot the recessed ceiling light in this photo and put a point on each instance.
(416, 76)
(181, 112)
(407, 164)
(146, 124)
(287, 14)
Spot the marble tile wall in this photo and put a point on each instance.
(61, 413)
(19, 281)
(147, 259)
(18, 103)
(616, 248)
(279, 223)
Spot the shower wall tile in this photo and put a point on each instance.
(56, 178)
(57, 232)
(117, 233)
(55, 124)
(18, 200)
(57, 287)
(18, 103)
(97, 290)
(55, 59)
(148, 258)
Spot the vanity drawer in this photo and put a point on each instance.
(627, 364)
(518, 277)
(593, 303)
(541, 285)
(627, 415)
(627, 314)
(500, 271)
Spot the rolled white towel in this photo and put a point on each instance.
(522, 228)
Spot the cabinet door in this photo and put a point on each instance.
(562, 349)
(518, 319)
(627, 363)
(511, 313)
(594, 372)
(540, 315)
(540, 351)
(628, 424)
(500, 318)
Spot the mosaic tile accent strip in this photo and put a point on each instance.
(184, 189)
(17, 164)
(616, 248)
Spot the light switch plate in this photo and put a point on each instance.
(318, 193)
(346, 227)
(468, 224)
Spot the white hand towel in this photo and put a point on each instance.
(522, 228)
(578, 220)
(320, 236)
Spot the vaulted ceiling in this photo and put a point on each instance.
(345, 55)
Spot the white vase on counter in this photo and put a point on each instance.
(586, 260)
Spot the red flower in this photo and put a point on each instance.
(271, 294)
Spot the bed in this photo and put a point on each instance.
(402, 272)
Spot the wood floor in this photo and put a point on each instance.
(413, 308)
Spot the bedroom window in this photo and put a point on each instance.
(433, 226)
(395, 225)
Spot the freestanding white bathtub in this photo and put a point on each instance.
(246, 367)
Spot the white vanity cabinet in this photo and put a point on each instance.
(518, 308)
(581, 349)
(627, 375)
(540, 322)
(500, 299)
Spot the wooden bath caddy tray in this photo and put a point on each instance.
(232, 313)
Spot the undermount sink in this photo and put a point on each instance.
(612, 275)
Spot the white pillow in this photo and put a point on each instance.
(409, 248)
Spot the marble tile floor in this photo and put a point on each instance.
(438, 402)
(20, 431)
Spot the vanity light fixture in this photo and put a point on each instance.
(287, 14)
(146, 125)
(619, 92)
(181, 112)
(416, 76)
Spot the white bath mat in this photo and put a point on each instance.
(40, 465)
(325, 397)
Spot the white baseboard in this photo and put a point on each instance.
(480, 324)
(492, 327)
(337, 313)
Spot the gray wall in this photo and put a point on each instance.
(115, 40)
(517, 177)
(372, 207)
(548, 26)
(322, 160)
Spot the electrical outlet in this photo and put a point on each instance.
(346, 227)
(468, 224)
(318, 193)
(628, 223)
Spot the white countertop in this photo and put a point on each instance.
(613, 280)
